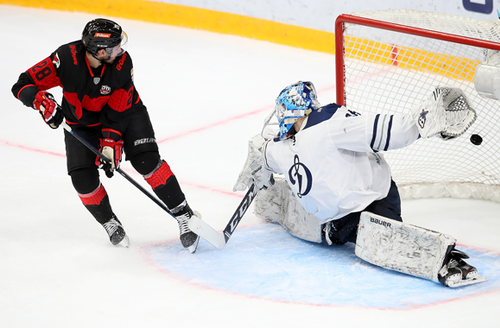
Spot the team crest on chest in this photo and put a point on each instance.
(105, 90)
(300, 176)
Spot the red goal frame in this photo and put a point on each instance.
(340, 50)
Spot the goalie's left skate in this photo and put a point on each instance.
(457, 273)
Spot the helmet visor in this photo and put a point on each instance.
(119, 49)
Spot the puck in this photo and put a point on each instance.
(476, 139)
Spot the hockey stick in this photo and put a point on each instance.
(206, 233)
(221, 238)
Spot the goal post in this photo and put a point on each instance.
(389, 61)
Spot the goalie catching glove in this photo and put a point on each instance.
(254, 170)
(51, 112)
(112, 148)
(446, 113)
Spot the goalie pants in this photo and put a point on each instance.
(345, 229)
(140, 149)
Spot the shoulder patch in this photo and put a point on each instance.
(56, 61)
(351, 113)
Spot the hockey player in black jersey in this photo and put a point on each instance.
(101, 103)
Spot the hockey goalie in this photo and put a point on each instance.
(333, 184)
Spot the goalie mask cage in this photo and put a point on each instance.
(389, 61)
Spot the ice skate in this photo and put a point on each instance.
(116, 233)
(457, 273)
(189, 239)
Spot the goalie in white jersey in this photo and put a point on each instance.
(336, 186)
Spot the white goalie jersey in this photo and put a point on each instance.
(333, 164)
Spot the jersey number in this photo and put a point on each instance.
(41, 70)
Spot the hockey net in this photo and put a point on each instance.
(389, 61)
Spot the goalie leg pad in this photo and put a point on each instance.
(487, 76)
(487, 81)
(278, 204)
(401, 247)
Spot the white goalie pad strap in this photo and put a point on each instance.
(401, 247)
(278, 204)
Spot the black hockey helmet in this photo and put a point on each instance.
(102, 33)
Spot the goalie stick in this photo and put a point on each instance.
(220, 239)
(207, 232)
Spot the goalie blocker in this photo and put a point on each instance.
(413, 250)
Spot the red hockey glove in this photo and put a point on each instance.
(51, 112)
(113, 151)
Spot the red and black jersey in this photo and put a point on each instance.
(91, 96)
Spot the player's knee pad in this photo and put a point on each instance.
(401, 247)
(278, 204)
(85, 180)
(146, 162)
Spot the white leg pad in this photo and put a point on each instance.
(401, 247)
(487, 76)
(278, 204)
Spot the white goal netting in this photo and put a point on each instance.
(392, 60)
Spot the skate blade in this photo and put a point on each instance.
(476, 279)
(194, 246)
(124, 243)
